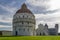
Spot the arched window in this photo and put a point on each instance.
(22, 22)
(19, 29)
(40, 33)
(23, 16)
(28, 22)
(28, 29)
(19, 16)
(27, 16)
(24, 29)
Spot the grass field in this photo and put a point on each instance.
(31, 38)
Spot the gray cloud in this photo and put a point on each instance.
(6, 24)
(40, 8)
(6, 28)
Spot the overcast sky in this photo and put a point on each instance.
(45, 11)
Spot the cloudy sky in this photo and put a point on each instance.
(45, 11)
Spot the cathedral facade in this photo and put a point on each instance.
(44, 30)
(24, 22)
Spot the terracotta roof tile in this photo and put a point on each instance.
(24, 9)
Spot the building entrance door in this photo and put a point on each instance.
(16, 33)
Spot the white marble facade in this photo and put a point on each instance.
(24, 24)
(44, 30)
(41, 30)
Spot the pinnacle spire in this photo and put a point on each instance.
(24, 6)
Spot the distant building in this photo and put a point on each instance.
(53, 31)
(44, 30)
(24, 22)
(5, 33)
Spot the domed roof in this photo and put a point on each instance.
(24, 9)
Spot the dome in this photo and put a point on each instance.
(24, 20)
(24, 9)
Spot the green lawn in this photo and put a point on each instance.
(31, 38)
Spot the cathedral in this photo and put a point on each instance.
(44, 30)
(24, 24)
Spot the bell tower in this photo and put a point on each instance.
(56, 28)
